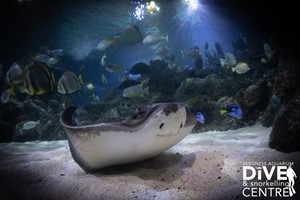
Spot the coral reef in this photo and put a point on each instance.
(253, 95)
(158, 80)
(206, 90)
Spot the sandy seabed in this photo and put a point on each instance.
(202, 166)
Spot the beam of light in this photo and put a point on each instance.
(190, 11)
(143, 9)
(152, 8)
(201, 24)
(139, 12)
(192, 4)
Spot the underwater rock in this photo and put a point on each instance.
(116, 109)
(285, 134)
(52, 130)
(191, 87)
(211, 86)
(82, 116)
(158, 65)
(140, 68)
(11, 111)
(253, 94)
(53, 106)
(158, 80)
(161, 96)
(267, 119)
(287, 81)
(10, 115)
(34, 108)
(7, 130)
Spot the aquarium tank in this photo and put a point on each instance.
(74, 72)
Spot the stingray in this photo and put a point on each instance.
(154, 129)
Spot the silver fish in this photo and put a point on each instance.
(30, 125)
(5, 96)
(41, 58)
(154, 39)
(52, 61)
(57, 52)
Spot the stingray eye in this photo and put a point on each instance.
(161, 125)
(135, 116)
(181, 125)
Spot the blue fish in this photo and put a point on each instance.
(134, 76)
(233, 111)
(200, 117)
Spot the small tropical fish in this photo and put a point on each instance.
(241, 68)
(200, 117)
(233, 111)
(268, 51)
(103, 59)
(104, 44)
(134, 76)
(52, 61)
(154, 39)
(41, 58)
(193, 53)
(97, 99)
(229, 61)
(90, 87)
(5, 96)
(103, 79)
(162, 51)
(69, 83)
(263, 60)
(30, 125)
(57, 52)
(113, 67)
(130, 34)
